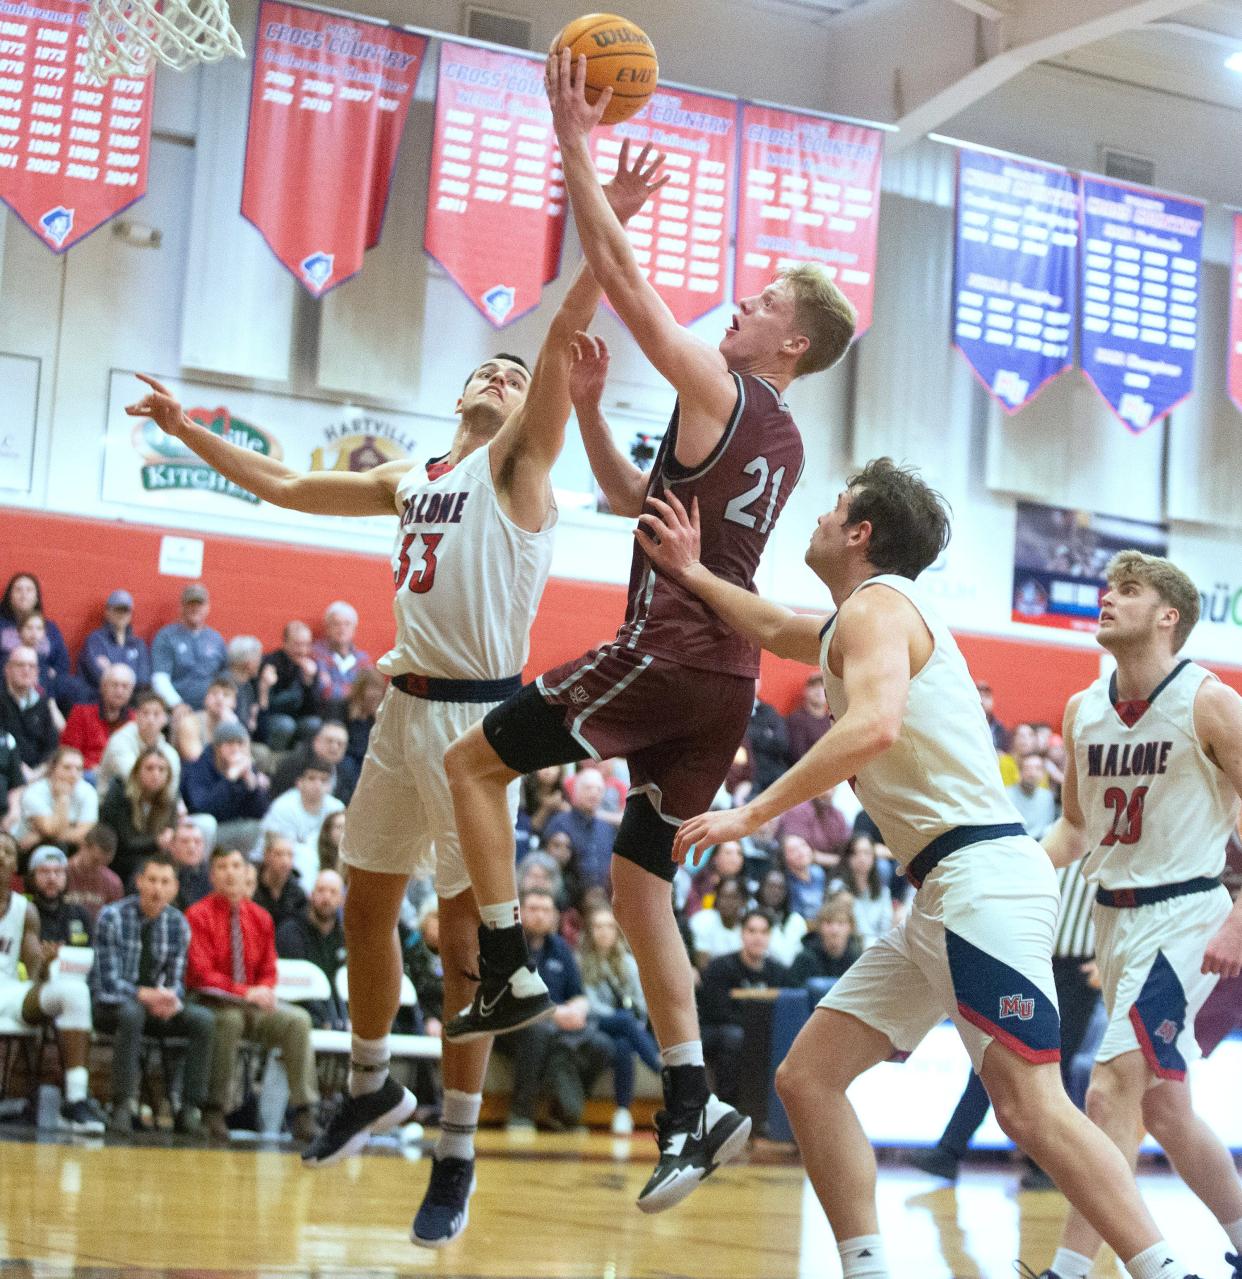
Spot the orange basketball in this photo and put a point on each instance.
(620, 57)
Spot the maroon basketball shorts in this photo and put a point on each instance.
(677, 727)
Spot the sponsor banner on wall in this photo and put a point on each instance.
(1235, 315)
(496, 199)
(328, 103)
(681, 237)
(809, 191)
(145, 468)
(1059, 560)
(19, 409)
(1014, 273)
(1140, 297)
(73, 151)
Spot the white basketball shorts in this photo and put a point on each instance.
(12, 997)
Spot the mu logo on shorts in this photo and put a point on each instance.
(1166, 1032)
(1019, 1006)
(578, 695)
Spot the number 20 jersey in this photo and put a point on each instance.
(1157, 809)
(741, 488)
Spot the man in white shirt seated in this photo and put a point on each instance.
(59, 808)
(299, 813)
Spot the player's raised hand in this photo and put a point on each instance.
(709, 829)
(573, 117)
(669, 534)
(162, 407)
(588, 371)
(634, 184)
(1224, 952)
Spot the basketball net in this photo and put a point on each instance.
(127, 37)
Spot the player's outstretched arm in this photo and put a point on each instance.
(670, 536)
(1065, 841)
(623, 483)
(1218, 722)
(697, 371)
(315, 492)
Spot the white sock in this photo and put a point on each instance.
(458, 1123)
(1234, 1231)
(368, 1065)
(1156, 1262)
(502, 914)
(688, 1054)
(77, 1080)
(863, 1258)
(1071, 1265)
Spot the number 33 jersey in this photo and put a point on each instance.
(741, 488)
(1157, 809)
(468, 579)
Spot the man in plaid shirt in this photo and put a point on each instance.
(138, 983)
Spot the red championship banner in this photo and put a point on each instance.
(810, 193)
(328, 104)
(73, 151)
(681, 239)
(1235, 315)
(496, 203)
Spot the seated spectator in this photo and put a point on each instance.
(618, 1010)
(91, 724)
(767, 742)
(316, 933)
(559, 1055)
(788, 927)
(1000, 734)
(1032, 796)
(141, 811)
(244, 660)
(295, 699)
(425, 968)
(225, 784)
(539, 869)
(725, 861)
(22, 597)
(26, 714)
(144, 732)
(717, 930)
(358, 711)
(748, 968)
(65, 1002)
(113, 642)
(860, 877)
(822, 825)
(194, 732)
(279, 890)
(299, 815)
(616, 788)
(330, 835)
(232, 971)
(591, 837)
(340, 659)
(32, 634)
(1021, 743)
(91, 883)
(573, 918)
(1054, 766)
(189, 855)
(138, 982)
(831, 946)
(807, 881)
(59, 808)
(808, 722)
(330, 743)
(542, 797)
(12, 779)
(559, 847)
(61, 923)
(187, 654)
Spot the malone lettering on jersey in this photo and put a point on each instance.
(1138, 759)
(434, 508)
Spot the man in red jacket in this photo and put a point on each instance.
(232, 969)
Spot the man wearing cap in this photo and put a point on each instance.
(90, 724)
(61, 923)
(224, 783)
(114, 642)
(187, 655)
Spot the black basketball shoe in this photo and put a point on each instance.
(693, 1144)
(510, 994)
(445, 1210)
(1235, 1260)
(356, 1119)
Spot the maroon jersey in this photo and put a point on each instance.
(741, 487)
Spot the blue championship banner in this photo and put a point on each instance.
(1140, 298)
(1014, 273)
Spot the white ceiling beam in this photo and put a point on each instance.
(1035, 30)
(992, 9)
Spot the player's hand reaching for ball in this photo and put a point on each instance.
(709, 829)
(573, 117)
(670, 535)
(162, 407)
(588, 371)
(634, 184)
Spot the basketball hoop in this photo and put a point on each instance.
(126, 37)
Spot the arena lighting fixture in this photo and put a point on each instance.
(1234, 62)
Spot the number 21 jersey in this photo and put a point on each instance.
(1157, 809)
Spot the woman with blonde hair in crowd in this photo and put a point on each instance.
(831, 946)
(330, 835)
(142, 810)
(357, 711)
(615, 995)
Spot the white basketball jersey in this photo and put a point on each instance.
(468, 579)
(1157, 809)
(12, 927)
(941, 772)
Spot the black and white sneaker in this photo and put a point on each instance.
(355, 1121)
(1234, 1259)
(445, 1210)
(510, 994)
(692, 1147)
(83, 1117)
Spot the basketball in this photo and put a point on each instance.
(620, 57)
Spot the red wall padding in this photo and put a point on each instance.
(256, 587)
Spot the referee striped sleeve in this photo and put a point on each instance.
(1075, 936)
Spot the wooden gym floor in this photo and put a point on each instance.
(551, 1207)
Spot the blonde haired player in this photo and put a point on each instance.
(1152, 776)
(471, 558)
